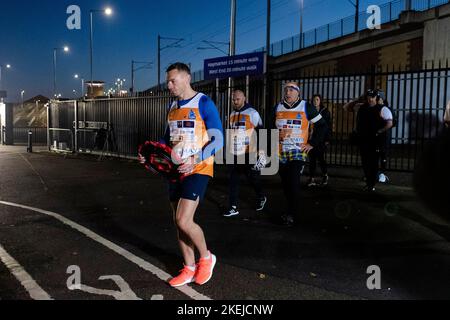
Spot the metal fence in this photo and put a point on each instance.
(389, 12)
(114, 126)
(39, 135)
(418, 99)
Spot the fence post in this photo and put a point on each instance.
(76, 127)
(390, 11)
(30, 141)
(408, 5)
(48, 125)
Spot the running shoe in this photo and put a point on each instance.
(232, 212)
(185, 277)
(261, 204)
(205, 268)
(324, 182)
(312, 183)
(383, 178)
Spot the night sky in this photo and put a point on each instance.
(30, 29)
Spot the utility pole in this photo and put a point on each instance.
(408, 5)
(132, 78)
(175, 44)
(233, 29)
(356, 5)
(266, 82)
(231, 52)
(146, 65)
(301, 23)
(159, 61)
(269, 9)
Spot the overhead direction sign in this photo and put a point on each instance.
(235, 66)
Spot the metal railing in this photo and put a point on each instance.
(389, 12)
(39, 135)
(418, 99)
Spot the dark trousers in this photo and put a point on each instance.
(290, 174)
(383, 161)
(383, 143)
(317, 155)
(370, 158)
(253, 178)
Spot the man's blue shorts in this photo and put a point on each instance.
(191, 188)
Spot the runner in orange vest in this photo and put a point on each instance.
(194, 126)
(293, 118)
(245, 122)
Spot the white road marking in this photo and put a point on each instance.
(35, 171)
(164, 276)
(125, 292)
(35, 291)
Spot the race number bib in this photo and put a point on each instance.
(291, 134)
(183, 138)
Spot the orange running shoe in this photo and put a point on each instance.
(205, 268)
(186, 276)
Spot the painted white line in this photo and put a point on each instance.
(35, 171)
(191, 293)
(35, 291)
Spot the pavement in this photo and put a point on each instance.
(73, 227)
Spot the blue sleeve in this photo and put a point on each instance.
(166, 138)
(211, 117)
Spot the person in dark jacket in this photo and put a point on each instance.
(383, 143)
(318, 153)
(372, 123)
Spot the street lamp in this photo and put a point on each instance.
(21, 95)
(64, 49)
(82, 84)
(108, 12)
(8, 66)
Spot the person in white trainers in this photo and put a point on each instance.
(447, 115)
(384, 136)
(245, 122)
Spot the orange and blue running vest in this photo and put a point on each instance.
(243, 135)
(188, 134)
(294, 126)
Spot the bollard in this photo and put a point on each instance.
(30, 142)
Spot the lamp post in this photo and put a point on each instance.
(76, 76)
(55, 50)
(8, 66)
(21, 95)
(108, 12)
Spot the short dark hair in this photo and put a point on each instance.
(239, 90)
(180, 67)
